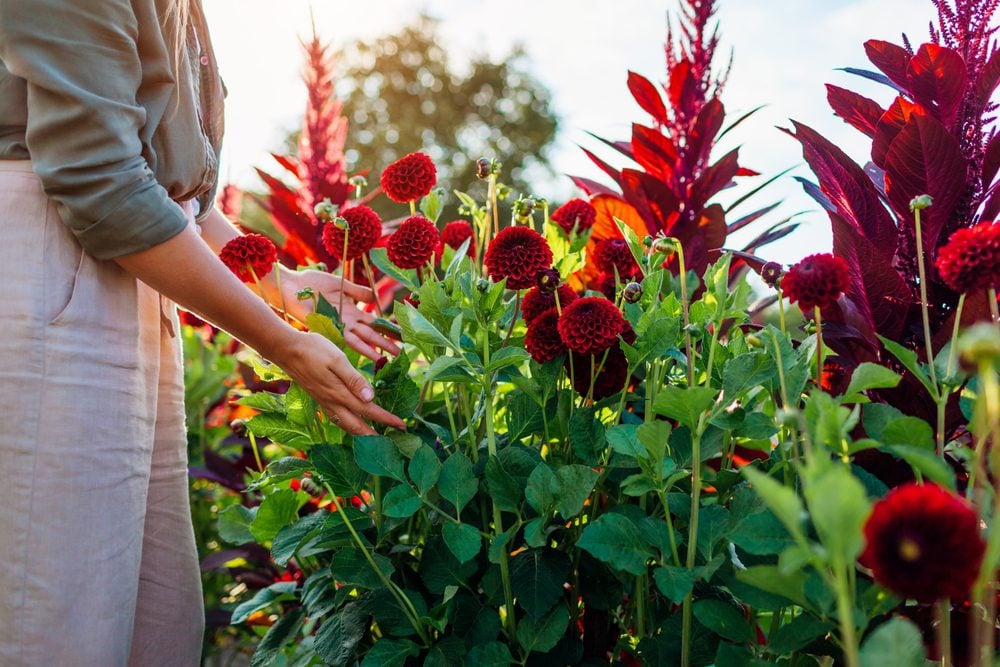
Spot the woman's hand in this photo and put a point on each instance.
(357, 330)
(321, 368)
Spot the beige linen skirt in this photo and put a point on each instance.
(98, 566)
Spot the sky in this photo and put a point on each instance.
(783, 53)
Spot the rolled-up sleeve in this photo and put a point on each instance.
(81, 64)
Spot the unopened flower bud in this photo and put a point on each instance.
(753, 340)
(980, 344)
(482, 284)
(238, 427)
(358, 181)
(771, 273)
(647, 241)
(305, 294)
(665, 246)
(632, 293)
(548, 280)
(920, 203)
(325, 210)
(483, 168)
(341, 223)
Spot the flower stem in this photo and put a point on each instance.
(343, 273)
(928, 343)
(281, 293)
(692, 543)
(256, 451)
(845, 614)
(818, 318)
(942, 610)
(993, 304)
(371, 283)
(944, 393)
(685, 307)
(781, 310)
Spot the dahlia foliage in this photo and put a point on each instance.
(610, 458)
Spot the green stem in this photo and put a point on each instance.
(928, 343)
(692, 543)
(845, 615)
(371, 283)
(819, 346)
(688, 348)
(281, 293)
(943, 391)
(343, 273)
(781, 311)
(993, 304)
(256, 452)
(943, 612)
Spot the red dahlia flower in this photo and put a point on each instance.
(365, 230)
(536, 301)
(606, 285)
(248, 255)
(924, 543)
(542, 340)
(517, 254)
(409, 178)
(414, 243)
(970, 260)
(817, 280)
(575, 213)
(610, 379)
(591, 324)
(454, 235)
(614, 253)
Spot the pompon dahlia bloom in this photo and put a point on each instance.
(924, 543)
(607, 285)
(610, 379)
(591, 324)
(250, 251)
(542, 340)
(575, 213)
(414, 243)
(365, 231)
(614, 253)
(409, 178)
(536, 302)
(817, 280)
(517, 254)
(454, 235)
(970, 260)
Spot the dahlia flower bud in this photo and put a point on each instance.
(632, 293)
(771, 273)
(483, 285)
(920, 203)
(980, 344)
(357, 182)
(484, 168)
(305, 294)
(753, 340)
(524, 207)
(341, 223)
(325, 210)
(665, 246)
(548, 280)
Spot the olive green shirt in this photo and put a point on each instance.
(88, 93)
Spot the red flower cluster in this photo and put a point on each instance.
(610, 378)
(575, 213)
(610, 254)
(591, 325)
(409, 178)
(517, 254)
(536, 301)
(817, 280)
(414, 243)
(248, 255)
(924, 543)
(971, 259)
(542, 340)
(365, 229)
(454, 235)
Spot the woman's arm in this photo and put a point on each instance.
(205, 286)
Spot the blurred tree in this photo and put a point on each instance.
(403, 93)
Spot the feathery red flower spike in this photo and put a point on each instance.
(409, 178)
(250, 251)
(816, 281)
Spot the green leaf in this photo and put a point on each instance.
(537, 579)
(762, 534)
(394, 390)
(910, 431)
(674, 582)
(839, 507)
(771, 579)
(338, 637)
(264, 401)
(624, 439)
(909, 359)
(463, 540)
(524, 417)
(493, 654)
(575, 482)
(746, 372)
(458, 482)
(277, 636)
(277, 428)
(541, 489)
(724, 620)
(380, 258)
(615, 540)
(586, 435)
(634, 244)
(401, 502)
(654, 436)
(299, 406)
(234, 524)
(684, 404)
(795, 636)
(276, 511)
(390, 653)
(349, 566)
(335, 465)
(289, 538)
(326, 327)
(542, 635)
(425, 469)
(418, 330)
(432, 203)
(872, 376)
(378, 455)
(927, 463)
(265, 597)
(896, 642)
(783, 501)
(507, 356)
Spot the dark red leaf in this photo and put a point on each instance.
(991, 160)
(925, 159)
(706, 126)
(683, 87)
(857, 110)
(655, 152)
(937, 78)
(770, 236)
(623, 147)
(612, 173)
(714, 179)
(891, 59)
(592, 187)
(648, 97)
(989, 78)
(654, 201)
(702, 240)
(289, 163)
(849, 190)
(889, 125)
(744, 171)
(751, 217)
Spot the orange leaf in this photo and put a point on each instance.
(608, 208)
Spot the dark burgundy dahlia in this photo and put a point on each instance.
(924, 543)
(610, 378)
(970, 260)
(575, 213)
(542, 340)
(611, 254)
(454, 234)
(518, 254)
(363, 232)
(591, 324)
(536, 301)
(414, 243)
(817, 280)
(248, 255)
(409, 178)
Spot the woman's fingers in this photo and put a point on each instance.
(373, 338)
(351, 378)
(326, 282)
(359, 345)
(350, 422)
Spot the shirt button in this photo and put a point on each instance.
(204, 61)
